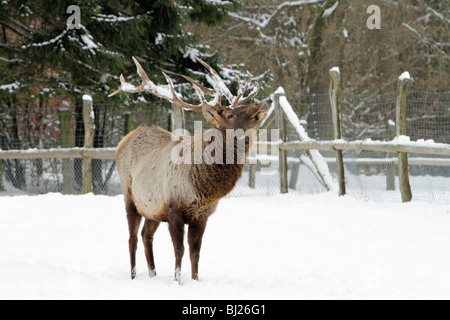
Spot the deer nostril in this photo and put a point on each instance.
(264, 108)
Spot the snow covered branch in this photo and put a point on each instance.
(265, 21)
(438, 15)
(426, 41)
(2, 59)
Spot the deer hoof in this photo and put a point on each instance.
(133, 273)
(152, 272)
(177, 278)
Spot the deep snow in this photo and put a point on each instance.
(281, 247)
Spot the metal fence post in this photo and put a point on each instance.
(403, 171)
(335, 88)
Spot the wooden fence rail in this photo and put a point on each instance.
(378, 146)
(63, 153)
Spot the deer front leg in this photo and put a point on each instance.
(176, 229)
(195, 236)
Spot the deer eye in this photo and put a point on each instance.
(230, 116)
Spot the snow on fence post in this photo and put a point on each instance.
(282, 154)
(335, 88)
(404, 82)
(89, 133)
(67, 141)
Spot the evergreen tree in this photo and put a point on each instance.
(45, 52)
(36, 39)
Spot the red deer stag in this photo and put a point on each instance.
(159, 190)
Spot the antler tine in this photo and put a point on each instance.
(251, 95)
(222, 89)
(242, 90)
(219, 86)
(141, 71)
(205, 90)
(148, 86)
(123, 83)
(180, 102)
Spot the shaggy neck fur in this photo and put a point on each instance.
(214, 181)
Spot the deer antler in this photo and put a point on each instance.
(148, 86)
(220, 89)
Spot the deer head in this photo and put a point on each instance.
(233, 116)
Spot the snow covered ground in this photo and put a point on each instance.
(280, 247)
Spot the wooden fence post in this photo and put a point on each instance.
(335, 88)
(282, 154)
(128, 125)
(2, 187)
(253, 168)
(295, 172)
(403, 171)
(252, 176)
(390, 170)
(89, 133)
(177, 118)
(2, 145)
(67, 141)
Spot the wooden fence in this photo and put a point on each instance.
(283, 114)
(400, 145)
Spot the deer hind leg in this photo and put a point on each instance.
(176, 229)
(195, 236)
(148, 232)
(134, 221)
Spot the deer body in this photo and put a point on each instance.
(160, 190)
(147, 173)
(151, 180)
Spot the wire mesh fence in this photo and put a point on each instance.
(369, 175)
(374, 175)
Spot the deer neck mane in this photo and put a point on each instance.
(216, 179)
